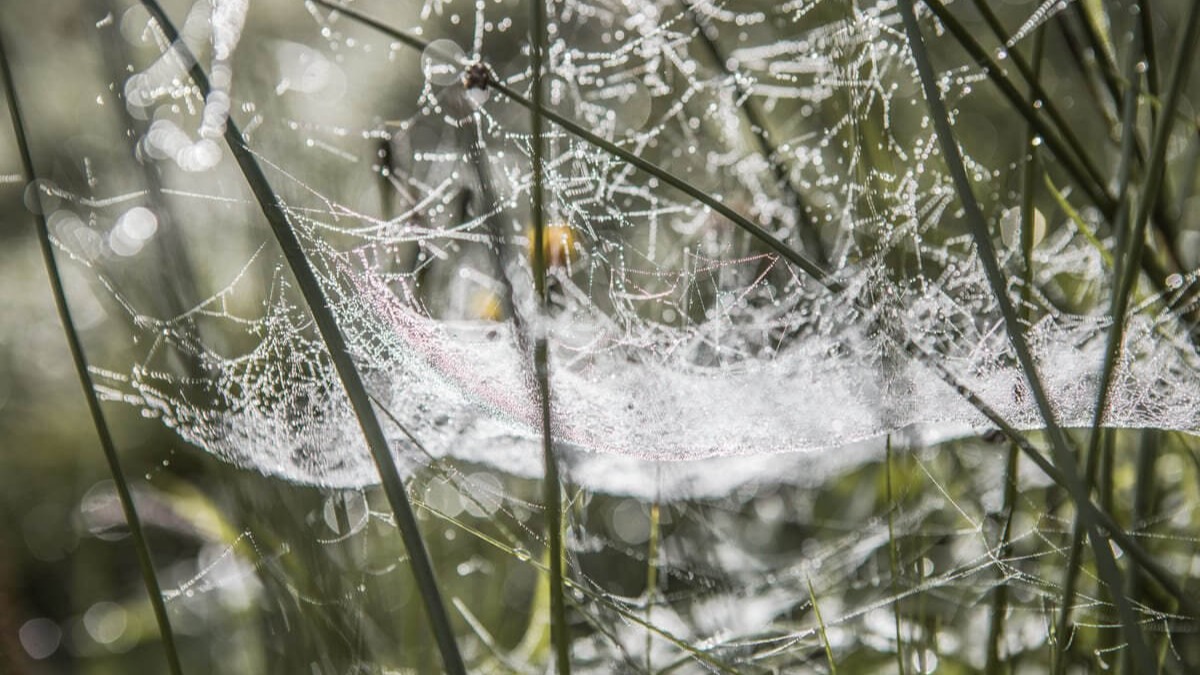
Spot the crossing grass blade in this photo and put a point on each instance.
(1060, 446)
(343, 362)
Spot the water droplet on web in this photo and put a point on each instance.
(442, 62)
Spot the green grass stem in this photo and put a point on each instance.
(79, 360)
(552, 486)
(977, 225)
(339, 352)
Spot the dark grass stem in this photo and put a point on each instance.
(934, 362)
(339, 352)
(992, 665)
(79, 359)
(1067, 150)
(1069, 153)
(1039, 96)
(1115, 340)
(1031, 167)
(551, 484)
(1150, 49)
(1060, 447)
(894, 556)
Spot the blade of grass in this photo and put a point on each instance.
(1115, 339)
(1143, 501)
(1146, 25)
(1100, 51)
(1069, 152)
(987, 255)
(1000, 599)
(339, 352)
(894, 556)
(1027, 71)
(552, 487)
(929, 360)
(1080, 223)
(652, 576)
(812, 596)
(1030, 167)
(79, 360)
(1088, 177)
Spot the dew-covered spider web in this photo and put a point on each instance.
(674, 334)
(688, 359)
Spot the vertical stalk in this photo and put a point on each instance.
(79, 359)
(894, 557)
(1000, 599)
(343, 362)
(1115, 336)
(1060, 446)
(652, 575)
(551, 486)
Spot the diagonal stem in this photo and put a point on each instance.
(79, 359)
(339, 352)
(807, 227)
(1069, 153)
(1060, 448)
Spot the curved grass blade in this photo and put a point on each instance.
(79, 359)
(339, 353)
(929, 360)
(977, 225)
(551, 484)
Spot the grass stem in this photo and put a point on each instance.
(79, 360)
(551, 484)
(339, 352)
(977, 225)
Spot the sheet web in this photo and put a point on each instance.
(687, 358)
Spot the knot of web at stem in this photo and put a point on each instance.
(478, 75)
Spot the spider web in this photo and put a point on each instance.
(674, 335)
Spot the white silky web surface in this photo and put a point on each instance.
(673, 335)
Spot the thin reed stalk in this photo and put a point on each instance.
(79, 360)
(981, 237)
(339, 352)
(551, 484)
